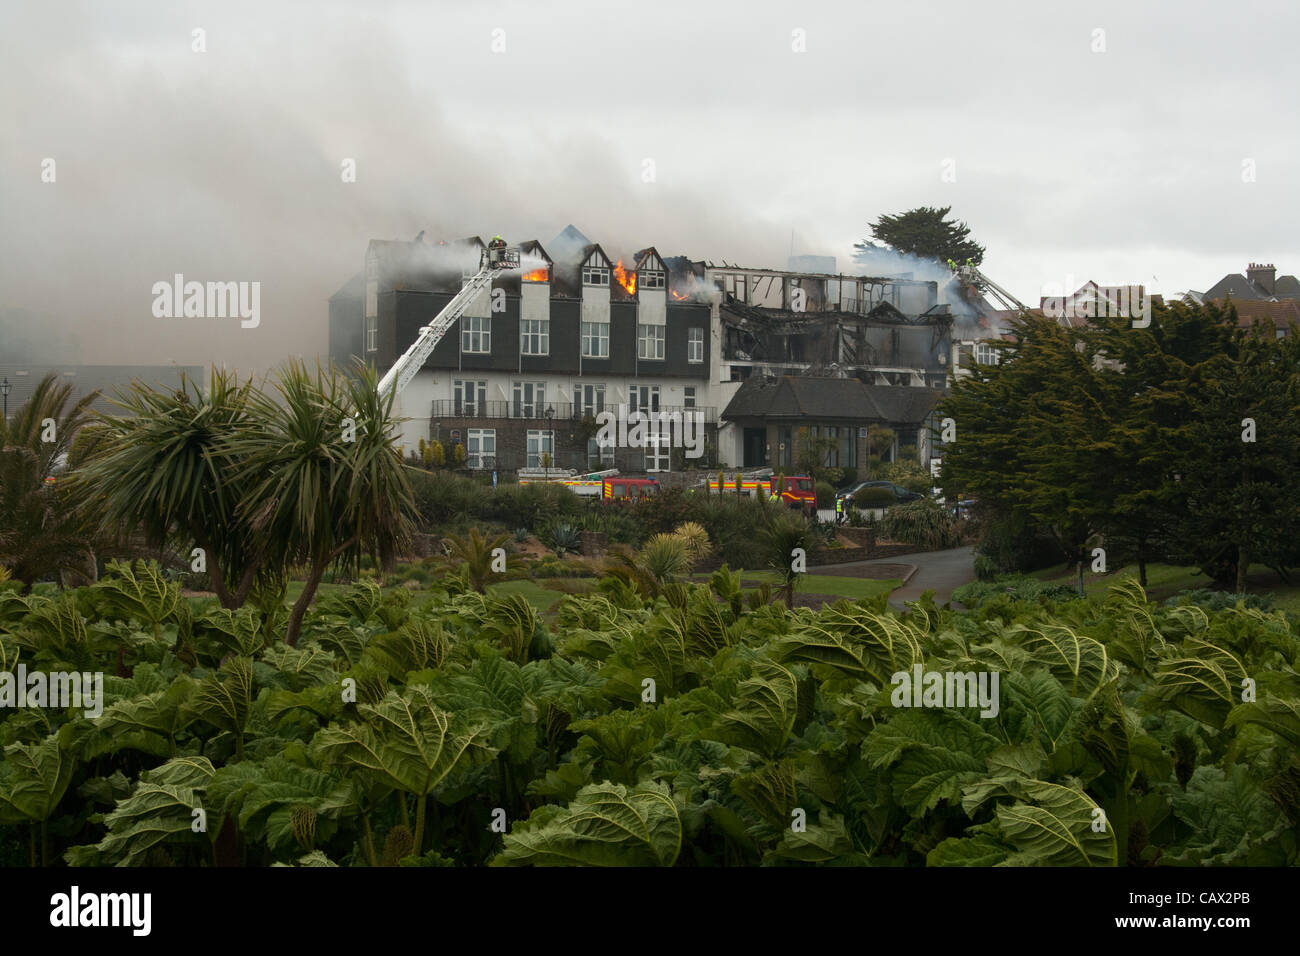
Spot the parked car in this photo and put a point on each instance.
(901, 494)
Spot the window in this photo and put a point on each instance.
(530, 400)
(657, 454)
(650, 341)
(475, 334)
(643, 398)
(689, 396)
(469, 398)
(481, 448)
(595, 340)
(735, 285)
(695, 345)
(540, 443)
(785, 449)
(372, 334)
(535, 336)
(651, 279)
(590, 399)
(986, 354)
(599, 457)
(832, 447)
(595, 275)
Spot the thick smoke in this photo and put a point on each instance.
(231, 166)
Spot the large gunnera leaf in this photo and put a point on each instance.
(1056, 826)
(607, 824)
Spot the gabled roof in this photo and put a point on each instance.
(533, 248)
(354, 288)
(594, 253)
(1287, 287)
(1241, 288)
(1237, 286)
(649, 258)
(570, 235)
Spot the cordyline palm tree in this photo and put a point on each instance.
(167, 470)
(42, 528)
(662, 560)
(475, 552)
(780, 538)
(324, 482)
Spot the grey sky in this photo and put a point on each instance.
(1122, 166)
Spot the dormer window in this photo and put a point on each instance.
(595, 275)
(651, 279)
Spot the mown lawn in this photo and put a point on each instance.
(541, 598)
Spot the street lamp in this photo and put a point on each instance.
(550, 413)
(4, 390)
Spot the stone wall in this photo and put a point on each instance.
(595, 544)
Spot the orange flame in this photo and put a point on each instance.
(626, 279)
(676, 296)
(537, 275)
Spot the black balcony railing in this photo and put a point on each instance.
(560, 411)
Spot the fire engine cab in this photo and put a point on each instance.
(629, 489)
(793, 491)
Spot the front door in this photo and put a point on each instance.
(755, 447)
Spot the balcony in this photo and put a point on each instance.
(560, 411)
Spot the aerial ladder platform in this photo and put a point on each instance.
(496, 259)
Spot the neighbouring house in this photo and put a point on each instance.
(1258, 296)
(776, 415)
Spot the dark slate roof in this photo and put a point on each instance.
(109, 380)
(1287, 287)
(1242, 289)
(569, 237)
(1237, 286)
(903, 404)
(827, 399)
(354, 288)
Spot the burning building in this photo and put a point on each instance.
(540, 355)
(576, 331)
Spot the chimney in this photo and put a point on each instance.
(1263, 275)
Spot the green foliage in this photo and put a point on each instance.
(825, 494)
(875, 497)
(605, 825)
(561, 537)
(687, 729)
(922, 522)
(1018, 587)
(46, 525)
(1142, 435)
(925, 232)
(475, 552)
(909, 473)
